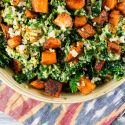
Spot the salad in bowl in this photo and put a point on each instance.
(63, 45)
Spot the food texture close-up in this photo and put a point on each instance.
(65, 46)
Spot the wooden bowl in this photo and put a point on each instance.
(6, 76)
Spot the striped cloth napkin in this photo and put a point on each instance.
(102, 111)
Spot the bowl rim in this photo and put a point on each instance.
(6, 79)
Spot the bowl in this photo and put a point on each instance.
(6, 77)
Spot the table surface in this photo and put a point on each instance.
(5, 120)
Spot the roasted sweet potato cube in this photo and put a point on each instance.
(63, 20)
(111, 4)
(40, 6)
(121, 7)
(102, 18)
(80, 21)
(53, 88)
(75, 4)
(114, 48)
(114, 17)
(5, 30)
(30, 14)
(86, 86)
(17, 66)
(14, 42)
(15, 2)
(99, 65)
(52, 43)
(37, 84)
(86, 31)
(48, 57)
(74, 52)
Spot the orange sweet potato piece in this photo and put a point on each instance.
(99, 65)
(77, 49)
(86, 31)
(121, 7)
(40, 6)
(14, 42)
(114, 47)
(63, 20)
(102, 18)
(53, 88)
(15, 2)
(80, 21)
(114, 17)
(5, 30)
(75, 4)
(111, 4)
(30, 14)
(113, 29)
(75, 61)
(52, 43)
(86, 86)
(48, 57)
(37, 84)
(17, 66)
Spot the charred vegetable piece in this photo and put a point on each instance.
(53, 88)
(74, 52)
(99, 65)
(114, 17)
(40, 6)
(52, 43)
(30, 14)
(75, 4)
(48, 57)
(86, 31)
(14, 42)
(80, 21)
(121, 7)
(86, 86)
(102, 18)
(5, 30)
(17, 66)
(63, 20)
(114, 47)
(37, 84)
(15, 2)
(111, 4)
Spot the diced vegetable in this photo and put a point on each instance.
(30, 14)
(15, 2)
(102, 18)
(80, 21)
(5, 30)
(75, 4)
(114, 17)
(48, 57)
(86, 31)
(111, 4)
(40, 6)
(17, 66)
(121, 7)
(63, 20)
(14, 42)
(37, 84)
(114, 47)
(52, 43)
(74, 52)
(53, 88)
(99, 65)
(86, 86)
